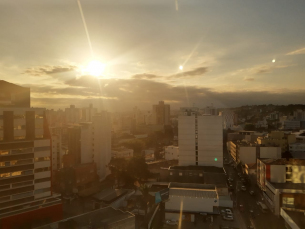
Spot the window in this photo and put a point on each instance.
(180, 174)
(170, 173)
(200, 174)
(288, 202)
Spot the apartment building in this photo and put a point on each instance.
(292, 125)
(25, 167)
(297, 150)
(72, 114)
(200, 138)
(283, 183)
(87, 113)
(247, 152)
(278, 138)
(161, 114)
(57, 150)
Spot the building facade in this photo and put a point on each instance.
(171, 153)
(297, 150)
(72, 114)
(161, 114)
(282, 182)
(200, 139)
(26, 168)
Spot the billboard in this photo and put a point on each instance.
(162, 195)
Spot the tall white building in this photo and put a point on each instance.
(200, 138)
(72, 114)
(87, 113)
(96, 142)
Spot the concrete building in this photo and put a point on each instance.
(209, 110)
(79, 179)
(87, 113)
(297, 150)
(278, 138)
(283, 183)
(171, 152)
(57, 151)
(250, 136)
(229, 119)
(72, 114)
(292, 125)
(107, 217)
(96, 142)
(300, 136)
(200, 138)
(12, 95)
(186, 200)
(197, 174)
(299, 115)
(161, 114)
(246, 152)
(25, 165)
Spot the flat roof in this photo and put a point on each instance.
(197, 193)
(284, 161)
(297, 217)
(192, 186)
(109, 195)
(94, 219)
(211, 169)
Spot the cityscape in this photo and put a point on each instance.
(125, 114)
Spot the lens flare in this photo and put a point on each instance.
(181, 67)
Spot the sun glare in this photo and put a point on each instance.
(181, 67)
(95, 68)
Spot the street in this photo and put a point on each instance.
(251, 213)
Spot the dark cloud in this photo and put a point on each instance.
(145, 76)
(190, 74)
(123, 94)
(249, 79)
(49, 70)
(187, 74)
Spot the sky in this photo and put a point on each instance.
(233, 52)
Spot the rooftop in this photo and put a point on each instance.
(191, 186)
(196, 193)
(297, 217)
(95, 219)
(284, 161)
(210, 169)
(109, 195)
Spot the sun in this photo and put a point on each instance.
(95, 68)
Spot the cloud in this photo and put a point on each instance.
(297, 52)
(190, 74)
(249, 79)
(181, 75)
(260, 69)
(49, 70)
(145, 76)
(123, 94)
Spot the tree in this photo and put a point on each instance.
(136, 144)
(249, 127)
(138, 169)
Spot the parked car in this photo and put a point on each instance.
(243, 188)
(228, 211)
(228, 217)
(171, 222)
(241, 208)
(252, 193)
